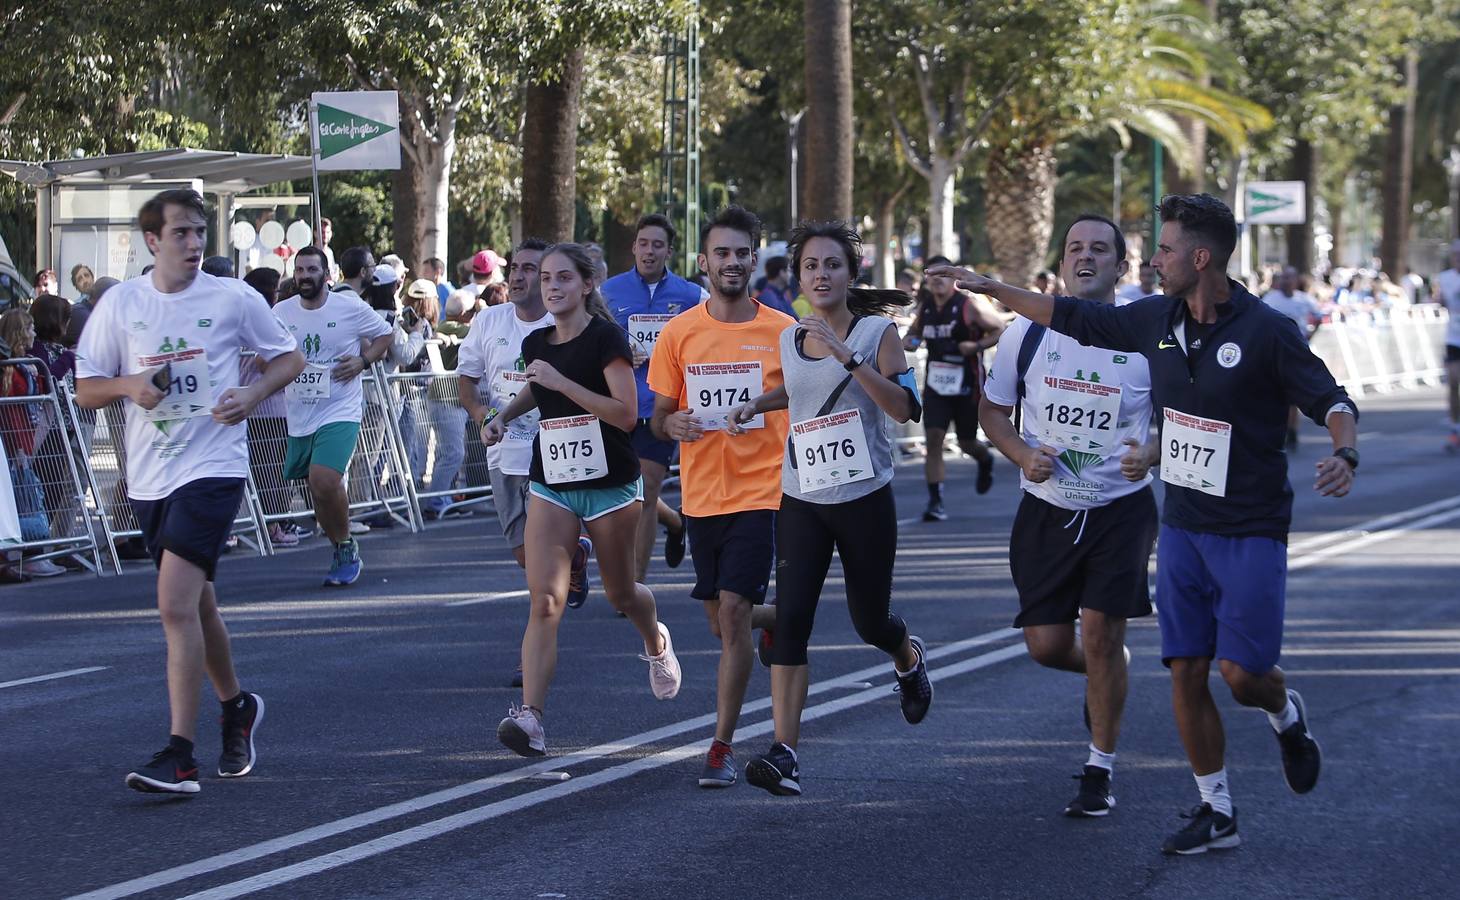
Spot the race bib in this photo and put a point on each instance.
(310, 385)
(644, 331)
(1195, 452)
(945, 379)
(1079, 415)
(189, 388)
(505, 388)
(571, 449)
(831, 450)
(715, 390)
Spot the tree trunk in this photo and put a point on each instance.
(1338, 226)
(435, 182)
(1303, 167)
(407, 225)
(1398, 177)
(550, 153)
(884, 260)
(1019, 207)
(941, 239)
(826, 193)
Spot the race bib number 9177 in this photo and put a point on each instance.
(1195, 452)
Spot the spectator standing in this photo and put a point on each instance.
(776, 292)
(19, 423)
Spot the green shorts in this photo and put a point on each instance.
(591, 503)
(332, 445)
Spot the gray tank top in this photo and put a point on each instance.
(809, 382)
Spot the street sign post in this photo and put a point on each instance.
(1274, 202)
(351, 130)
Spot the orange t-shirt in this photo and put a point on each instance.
(722, 473)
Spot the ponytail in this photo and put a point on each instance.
(876, 301)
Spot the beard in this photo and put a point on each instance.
(722, 284)
(308, 288)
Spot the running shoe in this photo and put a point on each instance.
(346, 566)
(674, 543)
(239, 724)
(1452, 443)
(664, 674)
(777, 771)
(302, 532)
(281, 538)
(1302, 758)
(522, 733)
(915, 687)
(719, 766)
(934, 512)
(765, 645)
(358, 527)
(578, 581)
(1094, 799)
(1207, 830)
(42, 568)
(985, 474)
(170, 772)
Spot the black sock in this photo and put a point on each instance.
(935, 492)
(233, 704)
(181, 744)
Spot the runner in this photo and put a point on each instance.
(1447, 289)
(845, 375)
(492, 350)
(706, 362)
(583, 467)
(168, 344)
(642, 300)
(956, 328)
(1082, 538)
(1286, 298)
(1224, 369)
(341, 337)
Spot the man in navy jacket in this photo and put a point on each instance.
(1224, 369)
(640, 299)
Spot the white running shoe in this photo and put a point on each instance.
(281, 538)
(664, 675)
(358, 527)
(522, 733)
(42, 568)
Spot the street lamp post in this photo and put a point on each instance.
(794, 138)
(1452, 169)
(1118, 180)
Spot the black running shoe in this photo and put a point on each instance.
(1207, 830)
(579, 581)
(777, 771)
(240, 724)
(169, 772)
(915, 688)
(934, 512)
(719, 771)
(1094, 799)
(767, 642)
(985, 474)
(674, 543)
(1302, 758)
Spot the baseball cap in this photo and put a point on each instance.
(384, 274)
(421, 289)
(395, 262)
(485, 262)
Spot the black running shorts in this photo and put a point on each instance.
(961, 412)
(193, 521)
(733, 552)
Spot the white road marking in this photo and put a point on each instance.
(51, 677)
(1367, 540)
(491, 598)
(1377, 524)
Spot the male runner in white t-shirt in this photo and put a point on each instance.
(1447, 291)
(1083, 535)
(167, 345)
(341, 337)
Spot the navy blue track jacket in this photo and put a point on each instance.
(1273, 369)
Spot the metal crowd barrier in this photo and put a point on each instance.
(39, 440)
(1381, 350)
(444, 452)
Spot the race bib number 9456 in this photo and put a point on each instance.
(1195, 452)
(644, 331)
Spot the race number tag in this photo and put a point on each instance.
(1194, 452)
(715, 390)
(1079, 415)
(310, 385)
(189, 387)
(831, 450)
(505, 388)
(644, 331)
(571, 449)
(945, 379)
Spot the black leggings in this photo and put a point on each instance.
(864, 533)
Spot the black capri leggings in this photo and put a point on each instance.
(864, 533)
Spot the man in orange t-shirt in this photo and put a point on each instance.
(708, 361)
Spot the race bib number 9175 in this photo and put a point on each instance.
(571, 449)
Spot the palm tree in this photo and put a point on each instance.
(827, 193)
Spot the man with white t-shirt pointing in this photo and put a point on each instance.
(341, 337)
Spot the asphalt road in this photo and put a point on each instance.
(380, 774)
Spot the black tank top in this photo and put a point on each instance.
(943, 330)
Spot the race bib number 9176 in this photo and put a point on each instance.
(830, 451)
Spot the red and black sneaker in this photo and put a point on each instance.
(171, 771)
(240, 722)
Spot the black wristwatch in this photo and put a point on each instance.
(851, 364)
(1348, 455)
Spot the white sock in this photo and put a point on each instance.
(1101, 759)
(1281, 721)
(1215, 791)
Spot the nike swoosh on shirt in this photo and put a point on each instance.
(1162, 345)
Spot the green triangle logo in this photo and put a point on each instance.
(340, 130)
(1263, 203)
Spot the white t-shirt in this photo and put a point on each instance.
(1447, 287)
(1130, 293)
(327, 335)
(1299, 307)
(140, 328)
(492, 347)
(1081, 479)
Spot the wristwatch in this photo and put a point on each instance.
(851, 364)
(1348, 455)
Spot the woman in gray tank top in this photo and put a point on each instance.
(845, 375)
